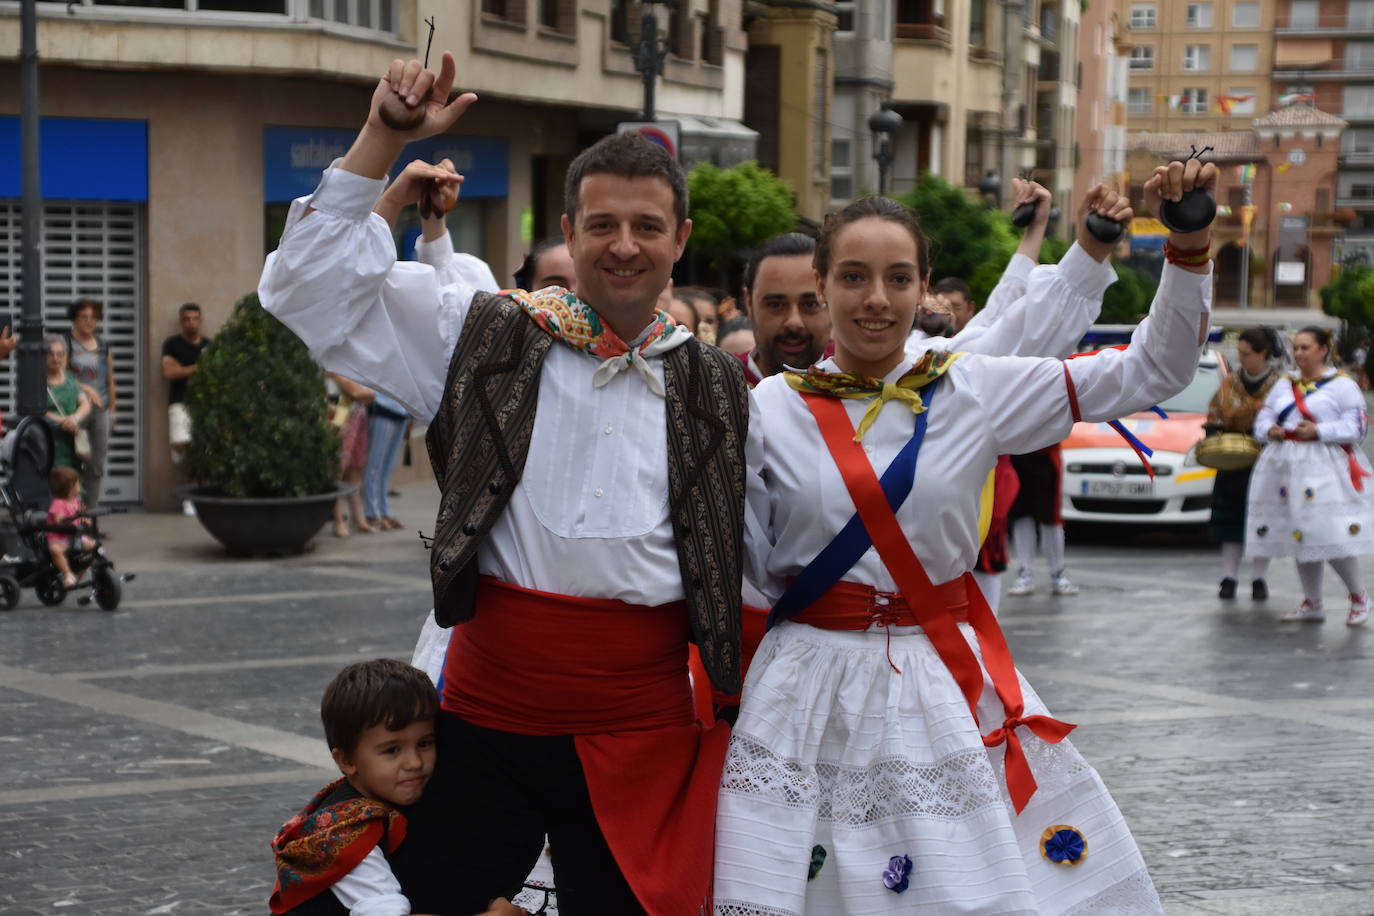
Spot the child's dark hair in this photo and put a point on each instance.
(62, 482)
(863, 208)
(382, 691)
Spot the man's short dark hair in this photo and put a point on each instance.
(524, 274)
(628, 155)
(953, 285)
(382, 691)
(77, 307)
(738, 323)
(188, 307)
(786, 245)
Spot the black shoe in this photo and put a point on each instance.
(1228, 589)
(1259, 590)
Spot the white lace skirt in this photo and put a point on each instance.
(839, 761)
(1302, 504)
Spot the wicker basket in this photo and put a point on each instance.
(1228, 451)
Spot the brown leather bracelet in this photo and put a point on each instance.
(1187, 257)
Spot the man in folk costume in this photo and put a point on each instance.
(591, 455)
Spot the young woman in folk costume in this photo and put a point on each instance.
(1233, 410)
(1311, 497)
(858, 780)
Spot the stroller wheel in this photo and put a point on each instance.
(9, 593)
(108, 589)
(51, 591)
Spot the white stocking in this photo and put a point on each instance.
(1348, 568)
(1230, 560)
(1023, 541)
(1052, 542)
(1261, 566)
(1310, 574)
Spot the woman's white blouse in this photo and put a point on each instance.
(1338, 406)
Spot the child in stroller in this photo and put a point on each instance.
(30, 531)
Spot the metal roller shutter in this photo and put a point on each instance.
(90, 250)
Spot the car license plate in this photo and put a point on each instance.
(1120, 489)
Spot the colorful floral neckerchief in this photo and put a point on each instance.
(563, 316)
(931, 366)
(323, 843)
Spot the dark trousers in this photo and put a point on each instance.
(481, 825)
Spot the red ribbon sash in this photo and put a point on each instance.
(1356, 472)
(931, 612)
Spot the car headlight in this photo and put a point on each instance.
(1190, 459)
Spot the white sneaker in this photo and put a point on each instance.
(188, 507)
(1061, 584)
(1306, 611)
(1023, 585)
(1359, 610)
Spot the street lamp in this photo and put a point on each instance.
(884, 123)
(991, 189)
(650, 53)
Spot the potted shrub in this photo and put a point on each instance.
(263, 455)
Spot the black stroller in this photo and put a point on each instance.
(26, 455)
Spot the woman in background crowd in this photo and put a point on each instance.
(1233, 410)
(1310, 496)
(353, 453)
(68, 406)
(89, 357)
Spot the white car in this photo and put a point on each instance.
(1105, 481)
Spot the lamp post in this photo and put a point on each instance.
(32, 352)
(884, 123)
(650, 53)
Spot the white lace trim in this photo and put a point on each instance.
(889, 787)
(740, 908)
(1132, 896)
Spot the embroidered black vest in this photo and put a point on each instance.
(480, 438)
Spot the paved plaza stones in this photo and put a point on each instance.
(147, 756)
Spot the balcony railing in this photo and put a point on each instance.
(1334, 69)
(1360, 157)
(376, 16)
(1331, 24)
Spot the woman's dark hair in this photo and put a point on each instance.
(1321, 335)
(525, 273)
(628, 155)
(1262, 340)
(62, 481)
(786, 245)
(76, 308)
(863, 208)
(382, 691)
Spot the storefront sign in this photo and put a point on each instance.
(294, 157)
(80, 159)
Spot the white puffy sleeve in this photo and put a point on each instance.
(371, 889)
(1347, 427)
(1057, 305)
(1010, 287)
(1034, 402)
(455, 267)
(758, 526)
(335, 281)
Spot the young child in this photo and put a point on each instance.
(65, 484)
(379, 721)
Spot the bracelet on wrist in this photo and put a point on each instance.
(1187, 257)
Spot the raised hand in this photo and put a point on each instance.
(1029, 192)
(413, 102)
(1172, 181)
(1103, 203)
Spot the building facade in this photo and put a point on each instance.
(1100, 124)
(176, 132)
(1198, 65)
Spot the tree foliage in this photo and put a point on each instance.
(967, 239)
(1128, 299)
(1350, 296)
(257, 407)
(736, 209)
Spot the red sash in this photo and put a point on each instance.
(1356, 472)
(614, 676)
(929, 610)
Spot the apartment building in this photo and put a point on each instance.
(1100, 125)
(1324, 55)
(1198, 65)
(981, 85)
(176, 132)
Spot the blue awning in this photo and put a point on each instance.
(80, 159)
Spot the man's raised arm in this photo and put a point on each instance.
(334, 279)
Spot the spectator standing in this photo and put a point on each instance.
(791, 323)
(736, 337)
(958, 298)
(704, 305)
(547, 264)
(387, 421)
(180, 354)
(89, 357)
(68, 406)
(354, 398)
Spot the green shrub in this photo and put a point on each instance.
(257, 407)
(967, 239)
(736, 209)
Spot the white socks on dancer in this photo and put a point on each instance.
(1348, 568)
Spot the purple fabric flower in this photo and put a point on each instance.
(896, 877)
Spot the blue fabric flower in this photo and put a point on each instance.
(1283, 492)
(817, 860)
(896, 877)
(1309, 493)
(1262, 530)
(1063, 845)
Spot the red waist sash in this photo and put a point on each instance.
(614, 676)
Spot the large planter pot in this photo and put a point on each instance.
(257, 526)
